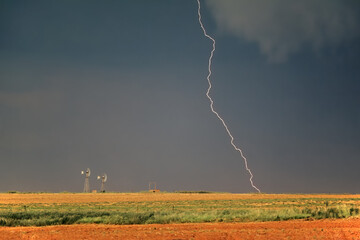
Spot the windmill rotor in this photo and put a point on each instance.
(105, 177)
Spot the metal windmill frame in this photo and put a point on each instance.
(103, 181)
(152, 187)
(86, 183)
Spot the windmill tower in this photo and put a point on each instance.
(152, 187)
(103, 181)
(86, 184)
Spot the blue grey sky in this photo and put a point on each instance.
(119, 87)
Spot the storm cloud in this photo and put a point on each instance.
(281, 28)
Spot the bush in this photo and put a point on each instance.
(12, 191)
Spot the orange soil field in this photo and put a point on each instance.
(294, 229)
(290, 230)
(6, 198)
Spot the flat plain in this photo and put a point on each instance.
(178, 216)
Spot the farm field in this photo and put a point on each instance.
(347, 229)
(179, 216)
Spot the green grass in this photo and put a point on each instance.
(195, 211)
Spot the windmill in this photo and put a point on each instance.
(103, 181)
(86, 184)
(152, 187)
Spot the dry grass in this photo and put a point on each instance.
(16, 198)
(33, 209)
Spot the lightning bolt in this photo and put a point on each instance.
(212, 102)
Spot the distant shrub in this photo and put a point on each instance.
(201, 191)
(353, 211)
(334, 212)
(12, 191)
(2, 222)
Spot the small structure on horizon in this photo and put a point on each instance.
(152, 187)
(86, 184)
(103, 181)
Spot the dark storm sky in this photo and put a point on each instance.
(119, 87)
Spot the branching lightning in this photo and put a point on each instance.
(212, 102)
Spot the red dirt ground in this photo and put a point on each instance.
(348, 229)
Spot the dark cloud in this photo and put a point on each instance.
(281, 28)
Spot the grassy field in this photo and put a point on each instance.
(146, 208)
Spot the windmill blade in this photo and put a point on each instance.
(88, 171)
(82, 172)
(98, 177)
(105, 177)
